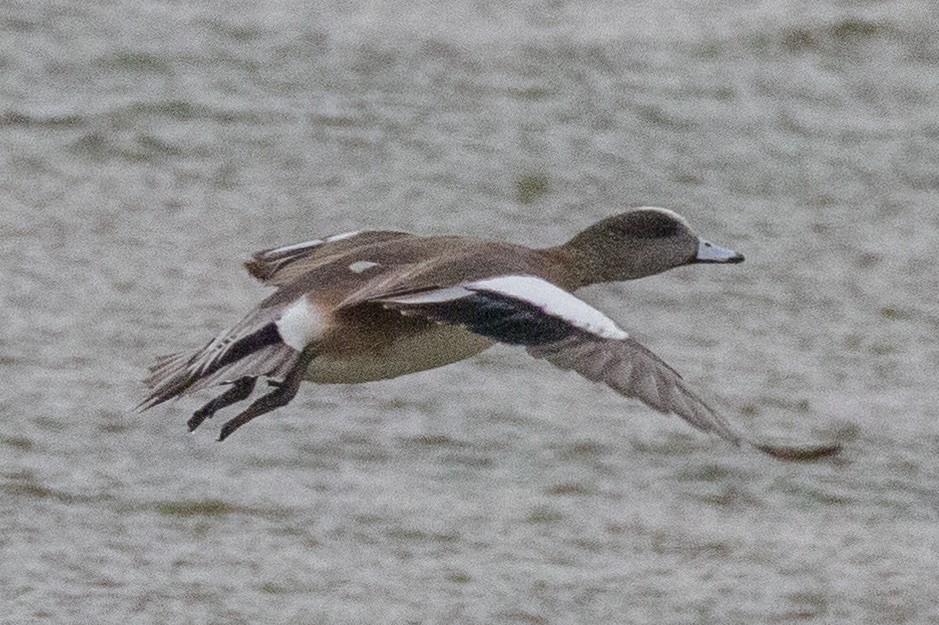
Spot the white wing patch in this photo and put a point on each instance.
(300, 323)
(437, 296)
(553, 300)
(344, 235)
(287, 249)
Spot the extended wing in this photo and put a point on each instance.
(569, 333)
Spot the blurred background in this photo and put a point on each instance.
(147, 148)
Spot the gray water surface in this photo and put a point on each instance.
(146, 148)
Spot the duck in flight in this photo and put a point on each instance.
(374, 305)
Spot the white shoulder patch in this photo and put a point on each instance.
(551, 299)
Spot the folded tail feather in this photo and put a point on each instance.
(261, 353)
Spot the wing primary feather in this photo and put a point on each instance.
(632, 370)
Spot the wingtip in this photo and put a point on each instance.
(146, 404)
(151, 402)
(258, 267)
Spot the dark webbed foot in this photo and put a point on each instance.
(240, 390)
(283, 393)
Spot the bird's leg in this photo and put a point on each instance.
(285, 391)
(240, 389)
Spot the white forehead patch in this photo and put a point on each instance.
(362, 265)
(554, 301)
(665, 211)
(301, 323)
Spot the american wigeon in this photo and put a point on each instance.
(374, 305)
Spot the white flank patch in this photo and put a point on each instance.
(300, 323)
(554, 301)
(362, 265)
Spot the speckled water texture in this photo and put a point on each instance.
(146, 148)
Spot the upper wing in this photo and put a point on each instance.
(278, 266)
(569, 333)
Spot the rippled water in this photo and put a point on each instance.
(148, 147)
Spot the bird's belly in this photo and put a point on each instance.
(437, 346)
